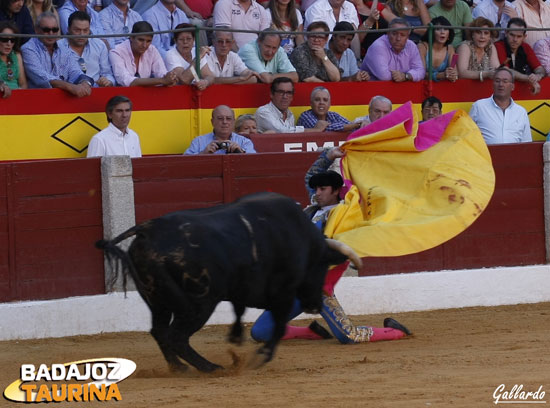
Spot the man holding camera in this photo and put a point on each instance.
(221, 140)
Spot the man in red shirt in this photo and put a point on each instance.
(516, 54)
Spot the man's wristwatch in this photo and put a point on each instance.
(408, 77)
(325, 58)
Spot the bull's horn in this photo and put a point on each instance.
(346, 250)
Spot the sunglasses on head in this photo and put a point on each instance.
(6, 40)
(49, 29)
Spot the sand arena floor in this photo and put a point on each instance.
(455, 358)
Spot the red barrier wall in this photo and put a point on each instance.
(171, 183)
(50, 214)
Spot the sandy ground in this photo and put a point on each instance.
(455, 358)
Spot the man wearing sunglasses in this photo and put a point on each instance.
(91, 54)
(48, 65)
(226, 65)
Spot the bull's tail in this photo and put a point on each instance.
(118, 259)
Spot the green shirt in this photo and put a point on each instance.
(459, 15)
(9, 73)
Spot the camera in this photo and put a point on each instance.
(223, 146)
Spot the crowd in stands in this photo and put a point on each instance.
(308, 53)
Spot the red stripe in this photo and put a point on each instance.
(54, 101)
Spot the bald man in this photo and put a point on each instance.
(222, 140)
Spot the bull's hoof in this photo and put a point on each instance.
(263, 355)
(209, 368)
(235, 339)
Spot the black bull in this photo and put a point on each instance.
(261, 251)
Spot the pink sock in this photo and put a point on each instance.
(386, 333)
(297, 332)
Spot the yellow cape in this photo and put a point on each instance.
(403, 200)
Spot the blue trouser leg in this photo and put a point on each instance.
(340, 325)
(262, 330)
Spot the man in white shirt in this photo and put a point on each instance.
(116, 139)
(241, 14)
(499, 118)
(226, 65)
(275, 116)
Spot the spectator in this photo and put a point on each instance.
(243, 15)
(457, 12)
(149, 70)
(37, 7)
(414, 12)
(285, 16)
(181, 59)
(91, 54)
(70, 6)
(12, 71)
(327, 10)
(431, 108)
(517, 55)
(16, 12)
(221, 140)
(48, 65)
(442, 52)
(394, 57)
(371, 18)
(320, 111)
(164, 16)
(331, 12)
(117, 18)
(245, 125)
(499, 118)
(199, 13)
(275, 116)
(347, 63)
(536, 13)
(379, 106)
(117, 139)
(542, 51)
(498, 11)
(226, 65)
(267, 58)
(314, 62)
(478, 58)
